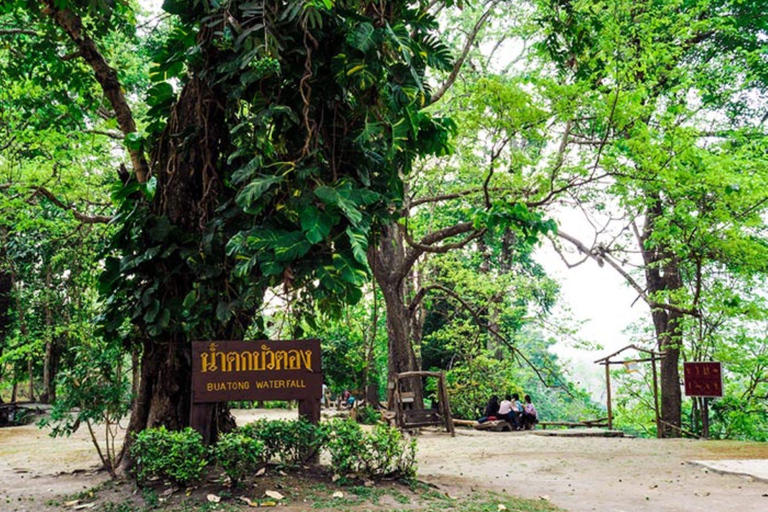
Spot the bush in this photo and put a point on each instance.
(292, 442)
(384, 452)
(178, 456)
(368, 415)
(238, 455)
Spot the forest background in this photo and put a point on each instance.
(480, 132)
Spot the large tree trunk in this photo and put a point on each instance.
(386, 260)
(188, 186)
(662, 274)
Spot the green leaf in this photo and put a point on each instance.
(363, 37)
(254, 190)
(291, 246)
(316, 224)
(359, 242)
(223, 312)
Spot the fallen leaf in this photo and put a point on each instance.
(502, 506)
(213, 498)
(84, 506)
(261, 471)
(268, 504)
(338, 494)
(544, 497)
(368, 483)
(335, 477)
(274, 495)
(71, 503)
(248, 501)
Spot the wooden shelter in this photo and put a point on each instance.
(651, 356)
(400, 402)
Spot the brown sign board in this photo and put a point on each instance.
(703, 379)
(223, 371)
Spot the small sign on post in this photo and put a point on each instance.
(703, 379)
(224, 371)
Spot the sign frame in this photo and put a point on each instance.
(304, 371)
(703, 379)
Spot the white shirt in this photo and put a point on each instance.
(505, 407)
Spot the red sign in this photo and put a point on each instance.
(256, 370)
(703, 379)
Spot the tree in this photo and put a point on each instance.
(665, 111)
(275, 141)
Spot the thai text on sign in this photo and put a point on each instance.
(703, 379)
(256, 370)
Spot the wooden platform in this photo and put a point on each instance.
(581, 432)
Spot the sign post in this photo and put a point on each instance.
(703, 380)
(224, 371)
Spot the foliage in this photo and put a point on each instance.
(383, 452)
(292, 442)
(239, 455)
(95, 391)
(367, 415)
(178, 456)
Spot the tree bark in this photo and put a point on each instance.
(663, 276)
(386, 260)
(186, 167)
(49, 362)
(5, 308)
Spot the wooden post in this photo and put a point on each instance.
(655, 396)
(705, 417)
(444, 405)
(309, 410)
(608, 394)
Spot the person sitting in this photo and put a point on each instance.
(517, 411)
(505, 412)
(491, 410)
(530, 415)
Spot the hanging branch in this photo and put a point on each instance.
(85, 219)
(602, 255)
(15, 31)
(465, 52)
(485, 326)
(105, 75)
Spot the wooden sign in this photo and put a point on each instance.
(703, 379)
(225, 371)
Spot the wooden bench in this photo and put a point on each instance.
(598, 423)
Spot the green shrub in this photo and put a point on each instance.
(368, 415)
(292, 442)
(383, 452)
(239, 455)
(179, 456)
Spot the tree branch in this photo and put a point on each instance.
(14, 31)
(465, 51)
(105, 75)
(111, 135)
(427, 244)
(601, 255)
(484, 325)
(85, 219)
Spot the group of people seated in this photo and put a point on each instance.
(519, 415)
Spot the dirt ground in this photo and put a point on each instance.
(577, 474)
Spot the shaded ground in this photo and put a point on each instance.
(577, 474)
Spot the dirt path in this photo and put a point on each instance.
(577, 474)
(596, 474)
